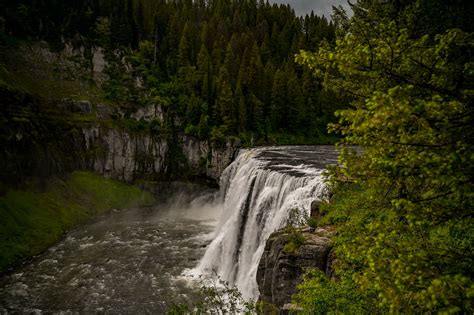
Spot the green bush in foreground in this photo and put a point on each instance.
(404, 208)
(32, 220)
(215, 296)
(319, 293)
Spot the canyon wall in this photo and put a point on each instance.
(45, 137)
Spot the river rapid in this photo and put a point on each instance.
(126, 261)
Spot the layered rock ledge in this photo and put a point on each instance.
(281, 270)
(127, 144)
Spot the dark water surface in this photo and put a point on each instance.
(127, 261)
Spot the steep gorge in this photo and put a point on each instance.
(259, 191)
(48, 131)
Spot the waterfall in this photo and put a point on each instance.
(258, 191)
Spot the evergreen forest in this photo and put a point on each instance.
(223, 68)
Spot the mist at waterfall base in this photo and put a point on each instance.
(126, 261)
(147, 259)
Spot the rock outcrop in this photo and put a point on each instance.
(122, 155)
(125, 155)
(67, 135)
(43, 133)
(280, 270)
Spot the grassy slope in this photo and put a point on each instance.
(30, 220)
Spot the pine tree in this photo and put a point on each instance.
(133, 26)
(141, 22)
(225, 101)
(230, 62)
(205, 73)
(242, 108)
(119, 25)
(184, 49)
(217, 54)
(258, 116)
(295, 101)
(279, 101)
(254, 71)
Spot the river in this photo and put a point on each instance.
(144, 260)
(126, 261)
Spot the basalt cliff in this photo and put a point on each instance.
(282, 268)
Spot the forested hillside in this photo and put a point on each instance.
(222, 68)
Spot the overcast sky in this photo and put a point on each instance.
(320, 7)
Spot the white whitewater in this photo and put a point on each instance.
(258, 192)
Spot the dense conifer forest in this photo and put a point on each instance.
(223, 68)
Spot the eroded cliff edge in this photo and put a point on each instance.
(43, 137)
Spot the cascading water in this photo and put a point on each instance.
(258, 191)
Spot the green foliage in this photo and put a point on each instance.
(191, 130)
(215, 296)
(102, 29)
(312, 222)
(31, 219)
(296, 239)
(218, 135)
(405, 222)
(319, 295)
(120, 85)
(203, 128)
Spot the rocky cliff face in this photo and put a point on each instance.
(280, 270)
(44, 133)
(128, 156)
(41, 138)
(123, 155)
